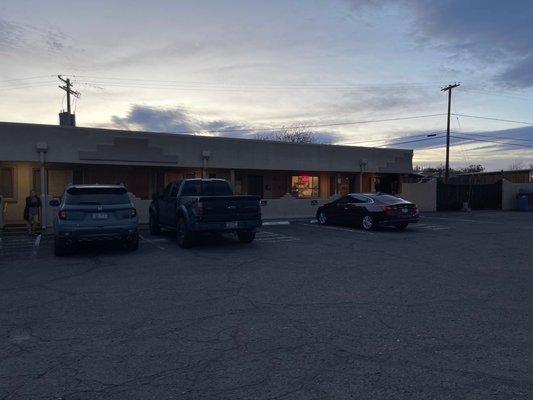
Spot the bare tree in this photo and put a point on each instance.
(516, 165)
(291, 134)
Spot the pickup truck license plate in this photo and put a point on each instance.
(99, 216)
(231, 225)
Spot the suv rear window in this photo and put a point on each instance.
(97, 196)
(206, 188)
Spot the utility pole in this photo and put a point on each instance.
(68, 89)
(449, 89)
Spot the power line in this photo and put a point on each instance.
(26, 85)
(26, 79)
(491, 141)
(495, 119)
(411, 141)
(281, 84)
(497, 137)
(308, 125)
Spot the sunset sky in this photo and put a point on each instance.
(228, 66)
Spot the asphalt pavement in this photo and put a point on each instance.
(442, 310)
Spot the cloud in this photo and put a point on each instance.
(178, 120)
(485, 31)
(10, 35)
(16, 36)
(491, 34)
(488, 141)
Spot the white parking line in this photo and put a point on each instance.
(459, 219)
(272, 223)
(266, 236)
(431, 227)
(151, 242)
(338, 228)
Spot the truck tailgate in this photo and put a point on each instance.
(230, 208)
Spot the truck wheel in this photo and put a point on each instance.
(184, 236)
(246, 236)
(155, 229)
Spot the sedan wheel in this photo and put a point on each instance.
(322, 218)
(367, 223)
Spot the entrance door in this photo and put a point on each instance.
(255, 185)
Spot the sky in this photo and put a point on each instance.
(353, 72)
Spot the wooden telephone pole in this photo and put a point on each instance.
(68, 89)
(449, 89)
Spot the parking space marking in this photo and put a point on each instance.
(431, 227)
(267, 236)
(459, 219)
(271, 223)
(338, 228)
(19, 246)
(152, 242)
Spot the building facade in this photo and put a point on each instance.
(46, 158)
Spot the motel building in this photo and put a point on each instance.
(292, 179)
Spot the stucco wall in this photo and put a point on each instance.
(510, 192)
(23, 183)
(423, 194)
(285, 207)
(290, 207)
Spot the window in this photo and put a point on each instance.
(192, 188)
(360, 199)
(175, 188)
(388, 199)
(305, 186)
(206, 188)
(166, 191)
(97, 196)
(344, 200)
(7, 182)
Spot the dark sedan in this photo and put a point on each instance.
(369, 210)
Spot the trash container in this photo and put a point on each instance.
(525, 200)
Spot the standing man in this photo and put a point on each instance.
(32, 211)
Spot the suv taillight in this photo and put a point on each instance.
(133, 213)
(62, 214)
(199, 209)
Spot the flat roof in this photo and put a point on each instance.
(82, 145)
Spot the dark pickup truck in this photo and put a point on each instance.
(193, 206)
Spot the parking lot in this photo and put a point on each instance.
(442, 310)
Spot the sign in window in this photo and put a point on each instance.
(305, 186)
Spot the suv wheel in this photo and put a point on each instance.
(246, 236)
(155, 229)
(134, 244)
(59, 248)
(184, 236)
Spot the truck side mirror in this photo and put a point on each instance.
(54, 203)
